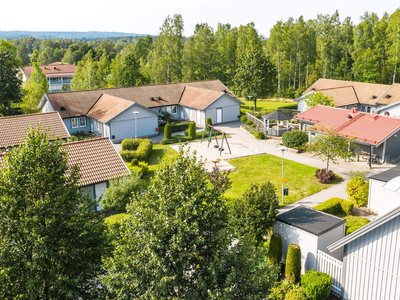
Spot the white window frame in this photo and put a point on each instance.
(174, 109)
(80, 119)
(73, 120)
(191, 112)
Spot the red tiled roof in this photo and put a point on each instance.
(54, 68)
(365, 127)
(13, 129)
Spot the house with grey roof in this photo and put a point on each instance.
(126, 112)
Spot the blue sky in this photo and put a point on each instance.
(146, 17)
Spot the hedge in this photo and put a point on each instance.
(176, 127)
(243, 119)
(295, 138)
(335, 206)
(280, 290)
(316, 285)
(167, 141)
(293, 263)
(167, 131)
(259, 135)
(296, 294)
(275, 249)
(130, 144)
(142, 153)
(192, 130)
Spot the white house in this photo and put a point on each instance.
(93, 111)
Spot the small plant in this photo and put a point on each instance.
(280, 290)
(167, 141)
(134, 162)
(209, 122)
(358, 188)
(316, 285)
(275, 249)
(323, 176)
(296, 294)
(254, 125)
(243, 119)
(293, 263)
(259, 135)
(295, 138)
(249, 122)
(167, 131)
(192, 130)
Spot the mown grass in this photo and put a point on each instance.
(267, 104)
(261, 168)
(353, 222)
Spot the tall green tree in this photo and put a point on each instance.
(318, 98)
(51, 241)
(10, 82)
(116, 71)
(177, 244)
(33, 90)
(86, 74)
(22, 54)
(225, 44)
(131, 75)
(393, 34)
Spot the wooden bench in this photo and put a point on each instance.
(367, 155)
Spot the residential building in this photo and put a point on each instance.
(58, 74)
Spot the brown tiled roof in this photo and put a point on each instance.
(366, 93)
(342, 95)
(199, 98)
(13, 129)
(392, 95)
(98, 160)
(53, 69)
(78, 103)
(108, 107)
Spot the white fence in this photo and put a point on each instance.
(333, 267)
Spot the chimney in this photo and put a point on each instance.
(354, 110)
(55, 68)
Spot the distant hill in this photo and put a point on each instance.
(85, 35)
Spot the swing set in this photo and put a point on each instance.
(212, 130)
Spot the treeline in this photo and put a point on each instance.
(76, 35)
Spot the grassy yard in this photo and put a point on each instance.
(353, 222)
(267, 104)
(261, 168)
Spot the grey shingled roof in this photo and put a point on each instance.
(310, 220)
(387, 175)
(277, 115)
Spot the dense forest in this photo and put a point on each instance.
(76, 35)
(296, 53)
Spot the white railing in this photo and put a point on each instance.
(332, 267)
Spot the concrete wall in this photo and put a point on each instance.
(381, 200)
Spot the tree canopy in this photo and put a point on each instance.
(318, 98)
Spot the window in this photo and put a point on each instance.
(74, 123)
(368, 109)
(169, 109)
(362, 107)
(191, 111)
(82, 121)
(174, 110)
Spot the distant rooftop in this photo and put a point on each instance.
(387, 175)
(53, 69)
(310, 220)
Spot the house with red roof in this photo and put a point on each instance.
(375, 134)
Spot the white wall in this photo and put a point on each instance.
(47, 107)
(381, 200)
(194, 116)
(308, 244)
(230, 110)
(302, 105)
(328, 238)
(394, 111)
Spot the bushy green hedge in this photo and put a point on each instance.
(295, 138)
(275, 249)
(280, 290)
(293, 263)
(296, 294)
(358, 188)
(176, 127)
(243, 119)
(259, 135)
(335, 206)
(249, 122)
(316, 285)
(130, 144)
(167, 141)
(192, 130)
(167, 131)
(142, 152)
(141, 168)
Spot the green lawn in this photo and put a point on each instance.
(353, 222)
(267, 104)
(261, 168)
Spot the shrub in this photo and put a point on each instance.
(249, 122)
(280, 290)
(275, 249)
(130, 144)
(141, 168)
(181, 138)
(142, 153)
(243, 119)
(293, 263)
(316, 285)
(254, 125)
(296, 294)
(209, 122)
(358, 188)
(295, 138)
(167, 131)
(323, 176)
(335, 206)
(134, 162)
(167, 141)
(127, 155)
(259, 135)
(192, 130)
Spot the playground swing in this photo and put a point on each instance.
(212, 130)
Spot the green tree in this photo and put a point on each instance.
(167, 131)
(51, 240)
(85, 77)
(254, 213)
(226, 41)
(177, 245)
(34, 90)
(116, 71)
(331, 146)
(131, 75)
(102, 71)
(358, 188)
(10, 82)
(35, 57)
(192, 130)
(22, 54)
(317, 98)
(293, 263)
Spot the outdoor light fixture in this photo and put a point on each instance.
(135, 113)
(282, 148)
(249, 101)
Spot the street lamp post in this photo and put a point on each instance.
(135, 113)
(249, 101)
(283, 177)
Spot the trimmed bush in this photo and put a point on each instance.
(181, 138)
(142, 153)
(280, 290)
(259, 135)
(141, 168)
(167, 131)
(295, 138)
(134, 162)
(323, 176)
(254, 125)
(209, 122)
(167, 141)
(316, 285)
(358, 188)
(335, 206)
(192, 130)
(243, 119)
(293, 263)
(249, 122)
(176, 127)
(296, 294)
(127, 155)
(275, 250)
(130, 144)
